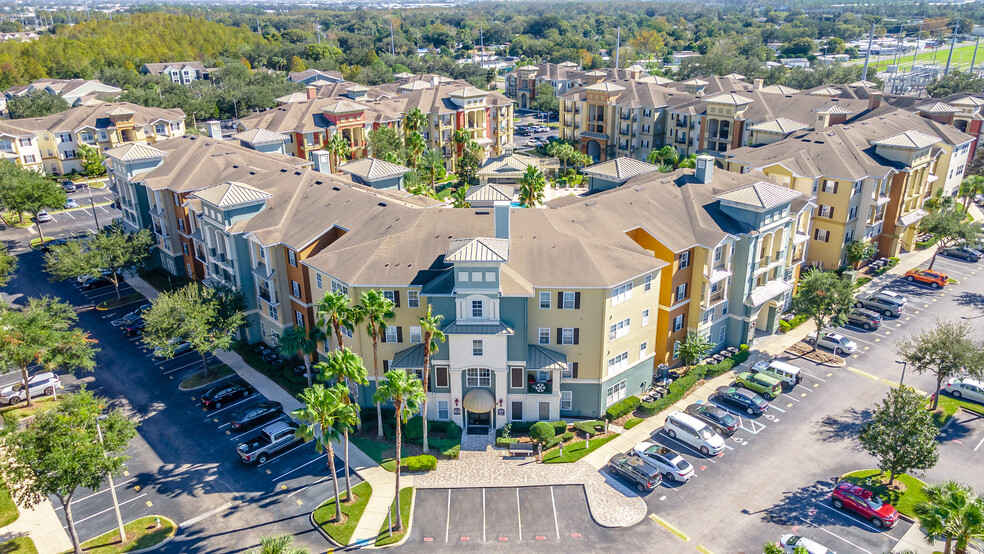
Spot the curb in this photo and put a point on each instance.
(209, 384)
(321, 531)
(406, 533)
(163, 542)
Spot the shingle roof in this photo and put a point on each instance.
(938, 107)
(779, 89)
(490, 193)
(836, 110)
(826, 91)
(760, 195)
(482, 249)
(231, 194)
(968, 101)
(908, 139)
(134, 151)
(260, 136)
(729, 98)
(863, 83)
(781, 125)
(97, 117)
(372, 168)
(621, 168)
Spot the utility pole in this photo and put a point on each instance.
(92, 206)
(867, 55)
(481, 38)
(953, 43)
(973, 60)
(318, 24)
(392, 46)
(618, 45)
(112, 487)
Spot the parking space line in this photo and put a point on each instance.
(170, 371)
(703, 550)
(812, 377)
(774, 407)
(790, 397)
(279, 477)
(106, 510)
(447, 529)
(978, 445)
(274, 458)
(233, 405)
(850, 516)
(815, 526)
(862, 373)
(692, 449)
(554, 504)
(308, 486)
(484, 519)
(74, 502)
(519, 513)
(670, 528)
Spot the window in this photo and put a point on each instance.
(463, 276)
(849, 236)
(337, 286)
(181, 223)
(568, 300)
(478, 347)
(29, 159)
(685, 260)
(642, 350)
(415, 335)
(292, 258)
(676, 349)
(718, 253)
(826, 211)
(544, 300)
(159, 128)
(442, 377)
(645, 317)
(566, 400)
(681, 292)
(516, 377)
(618, 363)
(621, 293)
(821, 235)
(273, 312)
(647, 283)
(857, 188)
(442, 409)
(723, 333)
(184, 247)
(853, 213)
(544, 335)
(299, 318)
(478, 309)
(489, 276)
(295, 289)
(413, 299)
(570, 372)
(476, 276)
(724, 309)
(618, 330)
(830, 186)
(25, 142)
(478, 377)
(317, 278)
(390, 295)
(392, 334)
(567, 335)
(615, 393)
(678, 323)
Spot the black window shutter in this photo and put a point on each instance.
(560, 333)
(685, 286)
(835, 187)
(442, 377)
(816, 234)
(386, 366)
(560, 300)
(382, 335)
(577, 300)
(577, 335)
(396, 299)
(831, 214)
(399, 334)
(574, 369)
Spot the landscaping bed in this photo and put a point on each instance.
(161, 280)
(903, 495)
(804, 350)
(948, 405)
(19, 545)
(13, 220)
(8, 509)
(281, 374)
(443, 438)
(124, 300)
(197, 380)
(681, 387)
(140, 534)
(406, 500)
(12, 414)
(576, 450)
(341, 532)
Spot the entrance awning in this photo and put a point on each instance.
(478, 401)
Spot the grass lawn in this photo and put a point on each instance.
(214, 374)
(406, 495)
(23, 221)
(632, 422)
(342, 532)
(140, 534)
(8, 510)
(124, 300)
(20, 545)
(22, 410)
(962, 56)
(377, 450)
(575, 451)
(948, 405)
(903, 501)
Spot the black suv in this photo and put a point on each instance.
(247, 418)
(720, 420)
(865, 319)
(743, 399)
(135, 327)
(644, 476)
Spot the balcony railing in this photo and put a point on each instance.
(539, 387)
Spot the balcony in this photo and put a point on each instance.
(714, 298)
(764, 261)
(681, 140)
(538, 387)
(265, 295)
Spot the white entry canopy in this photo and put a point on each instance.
(479, 401)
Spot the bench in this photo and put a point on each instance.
(521, 448)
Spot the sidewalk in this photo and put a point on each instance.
(42, 525)
(382, 481)
(914, 540)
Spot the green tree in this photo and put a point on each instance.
(338, 147)
(335, 314)
(773, 548)
(430, 324)
(976, 166)
(113, 250)
(458, 197)
(205, 317)
(945, 350)
(43, 332)
(345, 367)
(901, 434)
(798, 48)
(970, 187)
(859, 250)
(562, 151)
(693, 348)
(375, 310)
(24, 190)
(954, 511)
(278, 544)
(432, 166)
(949, 227)
(92, 161)
(824, 297)
(460, 138)
(406, 393)
(541, 433)
(415, 146)
(414, 122)
(61, 451)
(317, 417)
(545, 99)
(36, 103)
(665, 155)
(468, 162)
(689, 162)
(385, 144)
(956, 81)
(531, 186)
(8, 266)
(301, 342)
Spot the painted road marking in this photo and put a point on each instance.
(863, 373)
(775, 408)
(790, 405)
(666, 526)
(107, 510)
(447, 529)
(849, 516)
(519, 514)
(978, 445)
(187, 523)
(554, 504)
(703, 550)
(285, 474)
(791, 398)
(483, 513)
(835, 535)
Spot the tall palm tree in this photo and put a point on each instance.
(971, 187)
(345, 367)
(278, 544)
(531, 187)
(460, 137)
(431, 327)
(406, 393)
(374, 310)
(298, 341)
(458, 196)
(321, 407)
(334, 314)
(415, 146)
(665, 155)
(432, 165)
(954, 511)
(339, 148)
(414, 121)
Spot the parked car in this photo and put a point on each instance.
(78, 185)
(760, 383)
(42, 383)
(836, 342)
(788, 374)
(247, 418)
(180, 348)
(273, 358)
(669, 463)
(71, 203)
(848, 496)
(53, 243)
(791, 542)
(43, 217)
(971, 389)
(743, 399)
(690, 430)
(962, 253)
(934, 279)
(272, 440)
(644, 476)
(218, 395)
(135, 314)
(69, 186)
(524, 131)
(135, 327)
(720, 420)
(93, 283)
(885, 302)
(868, 320)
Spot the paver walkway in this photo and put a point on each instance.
(42, 525)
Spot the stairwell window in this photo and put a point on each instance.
(685, 260)
(478, 309)
(618, 363)
(645, 317)
(413, 299)
(647, 283)
(618, 330)
(478, 347)
(566, 400)
(677, 323)
(621, 293)
(544, 335)
(642, 350)
(478, 377)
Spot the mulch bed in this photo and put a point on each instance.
(804, 350)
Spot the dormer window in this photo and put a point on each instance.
(478, 309)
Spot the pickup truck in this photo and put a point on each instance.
(270, 441)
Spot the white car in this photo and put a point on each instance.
(791, 542)
(834, 341)
(42, 383)
(180, 347)
(970, 389)
(71, 203)
(669, 463)
(43, 217)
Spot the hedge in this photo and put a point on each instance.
(558, 439)
(413, 431)
(590, 428)
(681, 386)
(892, 262)
(560, 426)
(621, 408)
(424, 462)
(796, 321)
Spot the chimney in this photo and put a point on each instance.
(705, 168)
(874, 99)
(322, 161)
(312, 92)
(823, 121)
(500, 212)
(435, 80)
(215, 130)
(757, 84)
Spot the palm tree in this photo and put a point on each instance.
(458, 197)
(460, 137)
(432, 165)
(665, 155)
(339, 148)
(407, 394)
(278, 544)
(374, 309)
(971, 187)
(431, 327)
(298, 341)
(414, 121)
(689, 162)
(345, 367)
(334, 314)
(415, 146)
(531, 187)
(953, 510)
(321, 407)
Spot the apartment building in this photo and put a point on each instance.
(74, 91)
(20, 146)
(521, 82)
(182, 73)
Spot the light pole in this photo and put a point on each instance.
(92, 206)
(904, 364)
(112, 486)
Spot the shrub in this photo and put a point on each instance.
(454, 431)
(568, 435)
(541, 432)
(453, 452)
(414, 430)
(862, 281)
(424, 462)
(553, 442)
(742, 355)
(590, 428)
(621, 408)
(724, 365)
(559, 426)
(500, 441)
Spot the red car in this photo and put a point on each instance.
(934, 279)
(863, 502)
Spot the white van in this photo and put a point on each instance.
(690, 430)
(788, 374)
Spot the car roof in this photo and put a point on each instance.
(761, 377)
(278, 426)
(42, 376)
(969, 381)
(835, 336)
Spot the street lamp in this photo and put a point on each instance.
(92, 206)
(112, 486)
(904, 363)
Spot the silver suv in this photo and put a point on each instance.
(42, 383)
(884, 302)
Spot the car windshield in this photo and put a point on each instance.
(874, 503)
(706, 433)
(727, 419)
(759, 401)
(681, 464)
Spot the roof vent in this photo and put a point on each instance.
(482, 212)
(381, 204)
(319, 182)
(297, 173)
(252, 173)
(235, 166)
(335, 188)
(589, 203)
(283, 171)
